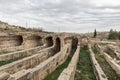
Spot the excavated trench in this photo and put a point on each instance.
(85, 65)
(20, 54)
(11, 49)
(110, 73)
(51, 51)
(55, 74)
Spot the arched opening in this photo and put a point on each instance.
(20, 40)
(58, 44)
(49, 41)
(74, 46)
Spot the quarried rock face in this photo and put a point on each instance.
(10, 41)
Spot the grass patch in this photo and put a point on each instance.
(54, 75)
(4, 52)
(9, 61)
(110, 73)
(85, 66)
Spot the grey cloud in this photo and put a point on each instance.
(68, 15)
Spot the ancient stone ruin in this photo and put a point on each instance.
(29, 55)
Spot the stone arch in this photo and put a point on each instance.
(20, 40)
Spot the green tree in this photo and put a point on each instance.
(114, 35)
(119, 35)
(95, 34)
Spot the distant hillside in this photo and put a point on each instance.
(7, 27)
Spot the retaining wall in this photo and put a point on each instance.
(43, 69)
(17, 54)
(11, 49)
(28, 62)
(69, 72)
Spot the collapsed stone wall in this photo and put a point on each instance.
(100, 75)
(111, 50)
(115, 66)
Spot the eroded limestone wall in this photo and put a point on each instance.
(11, 49)
(22, 53)
(100, 75)
(32, 41)
(42, 70)
(38, 66)
(48, 66)
(48, 41)
(8, 41)
(28, 61)
(69, 72)
(32, 61)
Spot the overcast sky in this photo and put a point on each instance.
(62, 15)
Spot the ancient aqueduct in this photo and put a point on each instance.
(37, 55)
